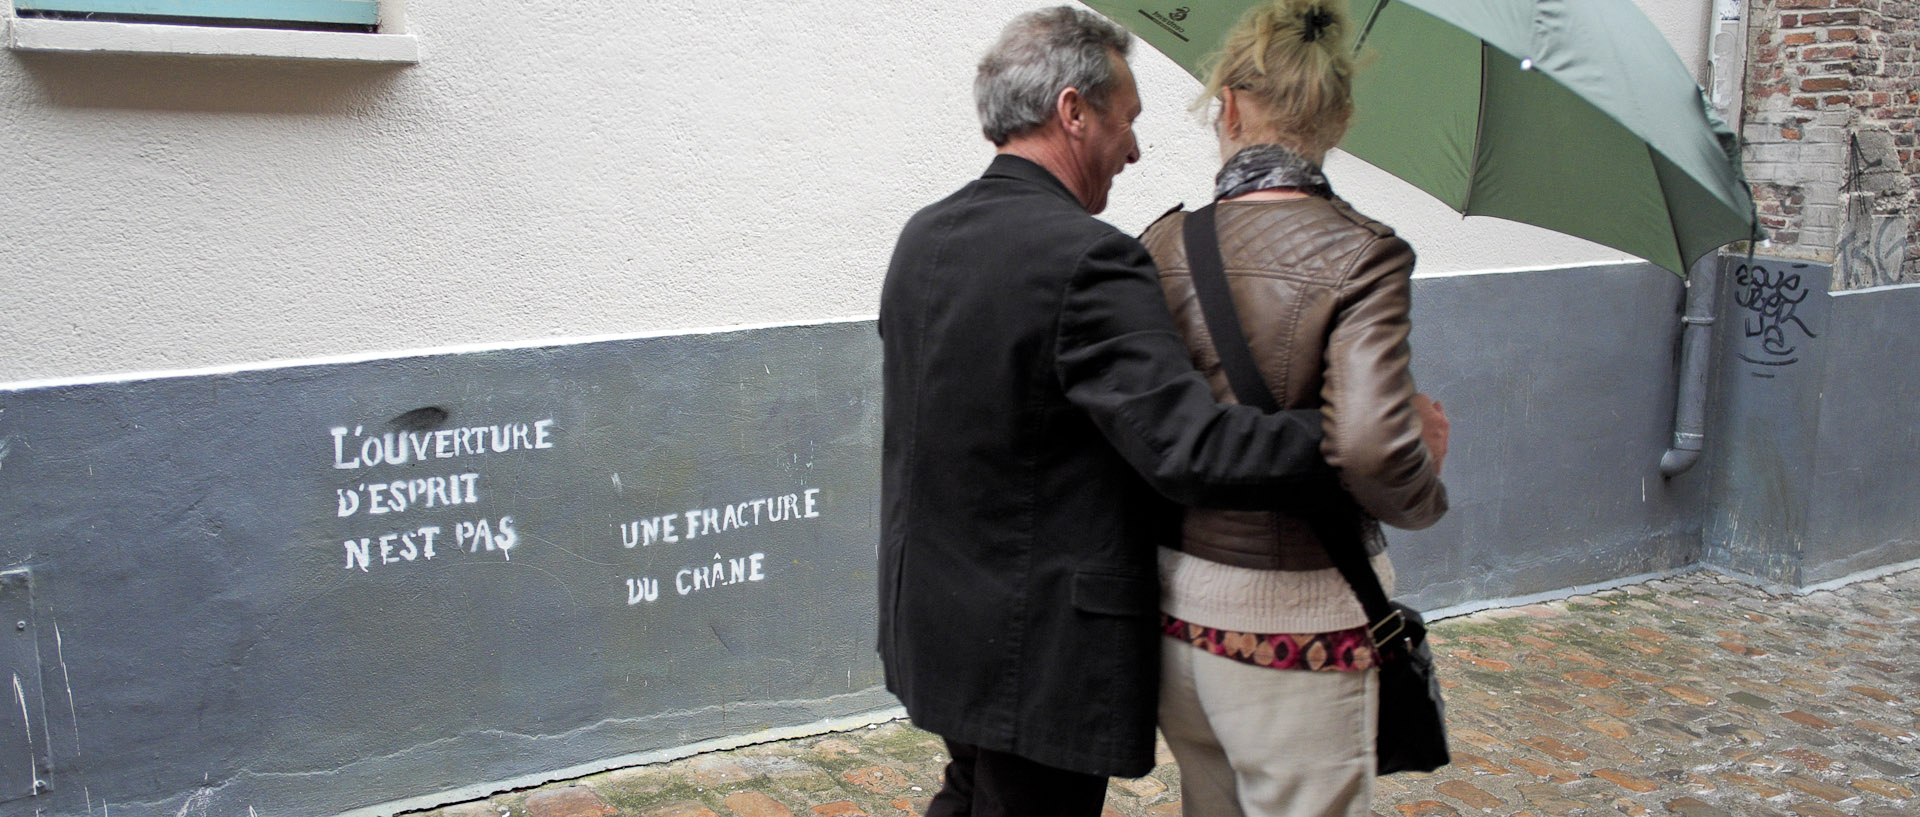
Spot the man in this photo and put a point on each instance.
(1041, 418)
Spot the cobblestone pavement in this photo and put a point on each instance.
(1694, 696)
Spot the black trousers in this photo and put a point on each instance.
(985, 783)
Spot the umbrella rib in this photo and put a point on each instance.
(1673, 223)
(1368, 29)
(1479, 123)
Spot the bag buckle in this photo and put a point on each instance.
(1395, 620)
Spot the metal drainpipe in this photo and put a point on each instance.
(1696, 349)
(1727, 60)
(1727, 65)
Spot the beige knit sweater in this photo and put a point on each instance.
(1246, 600)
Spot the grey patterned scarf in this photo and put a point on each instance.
(1263, 167)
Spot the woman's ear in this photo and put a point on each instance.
(1230, 120)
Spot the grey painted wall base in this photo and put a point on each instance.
(722, 744)
(1779, 589)
(386, 584)
(314, 590)
(1815, 434)
(1559, 384)
(1508, 602)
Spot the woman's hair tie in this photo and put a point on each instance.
(1317, 20)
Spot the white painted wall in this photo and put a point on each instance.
(595, 168)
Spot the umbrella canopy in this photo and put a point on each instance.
(1573, 115)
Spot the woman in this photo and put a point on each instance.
(1268, 699)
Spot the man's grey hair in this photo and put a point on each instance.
(1040, 54)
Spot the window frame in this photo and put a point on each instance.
(307, 15)
(387, 41)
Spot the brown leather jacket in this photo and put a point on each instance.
(1323, 293)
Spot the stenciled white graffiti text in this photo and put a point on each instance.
(399, 495)
(355, 448)
(724, 571)
(697, 522)
(469, 536)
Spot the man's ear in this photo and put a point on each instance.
(1071, 108)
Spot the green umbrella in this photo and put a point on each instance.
(1573, 115)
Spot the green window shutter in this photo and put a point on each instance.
(327, 12)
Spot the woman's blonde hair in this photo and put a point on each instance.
(1292, 56)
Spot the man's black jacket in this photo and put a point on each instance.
(1042, 418)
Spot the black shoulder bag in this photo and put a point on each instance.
(1412, 734)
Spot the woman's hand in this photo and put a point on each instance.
(1434, 428)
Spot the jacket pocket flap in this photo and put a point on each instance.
(1116, 594)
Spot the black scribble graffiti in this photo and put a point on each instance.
(1859, 166)
(1871, 250)
(1872, 247)
(1771, 297)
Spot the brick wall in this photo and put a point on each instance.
(1831, 115)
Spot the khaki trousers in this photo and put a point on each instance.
(1262, 742)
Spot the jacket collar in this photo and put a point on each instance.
(1009, 166)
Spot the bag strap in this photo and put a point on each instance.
(1337, 525)
(1223, 323)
